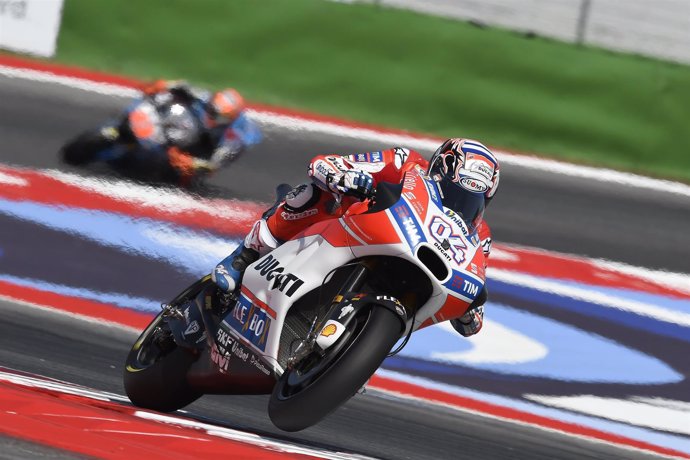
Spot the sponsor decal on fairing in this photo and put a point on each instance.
(224, 338)
(221, 359)
(271, 269)
(329, 334)
(455, 217)
(346, 310)
(227, 346)
(251, 322)
(404, 217)
(442, 232)
(399, 307)
(442, 250)
(329, 330)
(431, 188)
(465, 285)
(193, 328)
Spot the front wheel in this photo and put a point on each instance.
(318, 385)
(155, 375)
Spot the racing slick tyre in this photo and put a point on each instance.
(317, 385)
(84, 148)
(155, 375)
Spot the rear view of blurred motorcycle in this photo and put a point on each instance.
(172, 134)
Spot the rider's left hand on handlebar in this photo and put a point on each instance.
(356, 183)
(204, 166)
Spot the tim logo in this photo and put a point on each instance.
(465, 286)
(409, 225)
(221, 359)
(251, 322)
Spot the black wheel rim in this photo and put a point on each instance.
(311, 368)
(155, 343)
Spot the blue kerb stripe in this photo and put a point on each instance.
(112, 298)
(645, 323)
(406, 220)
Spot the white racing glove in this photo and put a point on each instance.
(355, 183)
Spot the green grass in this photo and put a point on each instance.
(404, 70)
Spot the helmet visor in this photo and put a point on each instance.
(469, 205)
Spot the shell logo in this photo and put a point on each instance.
(329, 330)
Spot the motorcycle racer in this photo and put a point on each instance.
(466, 171)
(202, 139)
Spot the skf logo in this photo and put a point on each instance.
(329, 330)
(270, 269)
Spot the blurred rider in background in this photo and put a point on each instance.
(198, 125)
(466, 172)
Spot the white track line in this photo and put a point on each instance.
(344, 129)
(246, 437)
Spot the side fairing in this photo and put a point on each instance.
(417, 222)
(145, 123)
(273, 283)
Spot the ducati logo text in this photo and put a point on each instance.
(270, 269)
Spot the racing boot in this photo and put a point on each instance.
(228, 273)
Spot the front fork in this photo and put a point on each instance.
(305, 347)
(198, 303)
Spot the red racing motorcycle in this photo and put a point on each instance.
(316, 317)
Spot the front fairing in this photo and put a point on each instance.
(144, 123)
(416, 222)
(421, 223)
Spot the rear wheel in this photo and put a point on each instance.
(155, 374)
(318, 385)
(85, 148)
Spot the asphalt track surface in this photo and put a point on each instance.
(57, 346)
(550, 211)
(553, 212)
